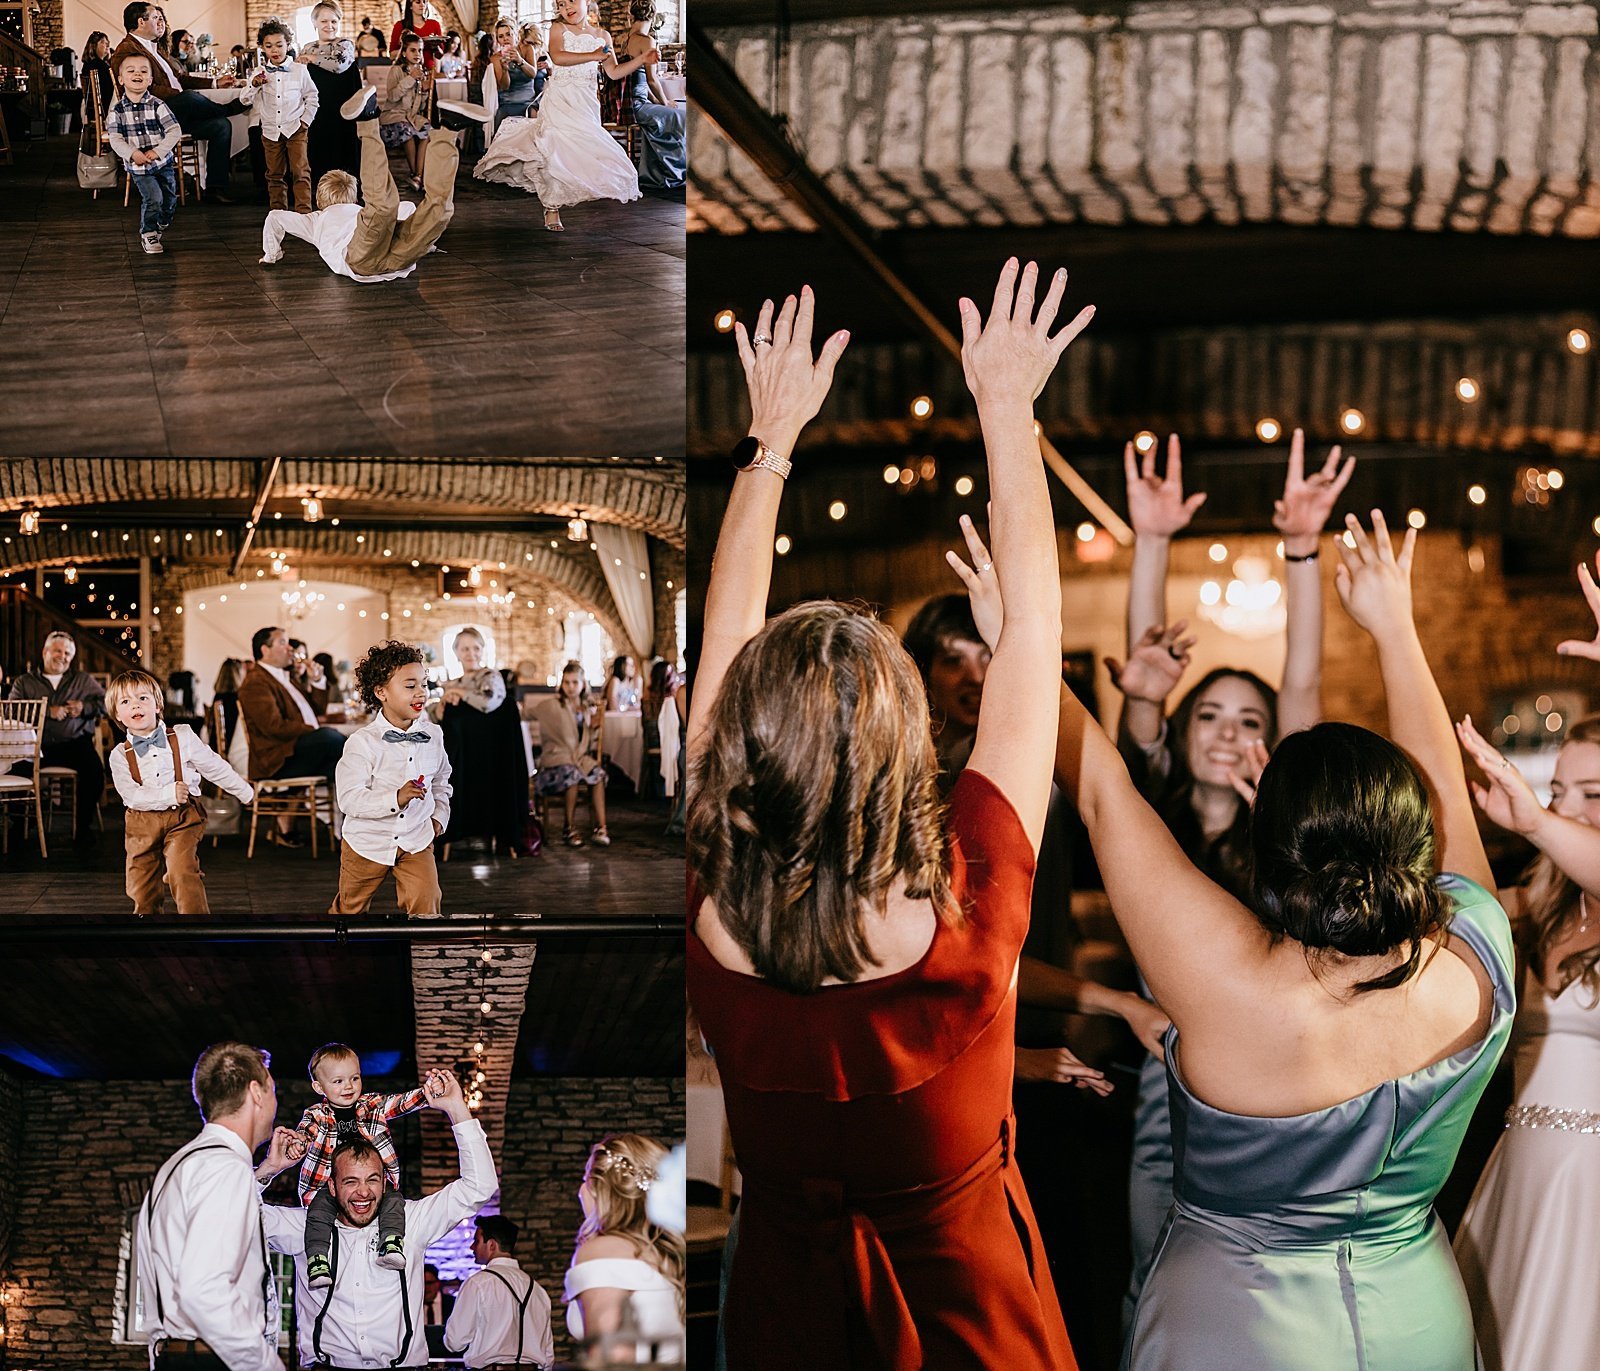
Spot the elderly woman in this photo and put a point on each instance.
(483, 739)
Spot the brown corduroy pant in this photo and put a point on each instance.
(167, 838)
(416, 882)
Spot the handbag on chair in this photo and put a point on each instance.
(97, 170)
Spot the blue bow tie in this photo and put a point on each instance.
(144, 745)
(270, 67)
(394, 735)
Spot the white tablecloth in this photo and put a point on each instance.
(624, 743)
(673, 87)
(451, 89)
(16, 745)
(238, 123)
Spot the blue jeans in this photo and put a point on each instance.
(203, 118)
(158, 190)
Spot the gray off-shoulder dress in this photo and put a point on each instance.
(1309, 1243)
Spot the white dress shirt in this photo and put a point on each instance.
(200, 1257)
(329, 231)
(155, 56)
(365, 1322)
(286, 101)
(369, 774)
(484, 1322)
(158, 789)
(283, 678)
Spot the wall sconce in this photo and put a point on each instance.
(578, 530)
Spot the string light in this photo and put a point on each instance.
(963, 485)
(311, 506)
(921, 407)
(1352, 421)
(1416, 518)
(837, 510)
(1579, 341)
(1268, 430)
(1144, 441)
(1477, 494)
(891, 474)
(724, 321)
(1467, 389)
(1086, 533)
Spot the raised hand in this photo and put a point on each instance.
(1247, 775)
(287, 1148)
(1307, 501)
(786, 387)
(1156, 664)
(1156, 506)
(1575, 647)
(1010, 357)
(1507, 799)
(983, 585)
(1058, 1064)
(1374, 584)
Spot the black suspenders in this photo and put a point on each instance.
(154, 1198)
(522, 1304)
(316, 1327)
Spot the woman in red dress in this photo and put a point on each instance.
(421, 19)
(852, 952)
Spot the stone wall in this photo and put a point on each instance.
(666, 580)
(48, 26)
(550, 1127)
(1464, 115)
(11, 1154)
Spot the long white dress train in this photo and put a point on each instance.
(563, 153)
(1528, 1249)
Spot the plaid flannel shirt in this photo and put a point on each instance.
(144, 125)
(373, 1113)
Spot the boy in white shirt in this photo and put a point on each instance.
(394, 787)
(385, 238)
(157, 772)
(285, 97)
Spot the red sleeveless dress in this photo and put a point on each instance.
(884, 1225)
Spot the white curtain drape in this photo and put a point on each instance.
(625, 561)
(468, 10)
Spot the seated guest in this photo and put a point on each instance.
(502, 1315)
(96, 59)
(623, 1259)
(239, 57)
(665, 163)
(663, 682)
(570, 755)
(197, 116)
(332, 144)
(225, 692)
(513, 74)
(323, 662)
(453, 62)
(530, 43)
(368, 43)
(182, 52)
(284, 737)
(77, 704)
(483, 737)
(623, 687)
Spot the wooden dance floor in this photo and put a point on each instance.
(641, 873)
(508, 341)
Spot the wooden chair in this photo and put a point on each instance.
(97, 121)
(287, 795)
(616, 116)
(21, 737)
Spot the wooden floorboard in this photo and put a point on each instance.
(641, 873)
(509, 341)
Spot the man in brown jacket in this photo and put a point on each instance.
(197, 116)
(282, 719)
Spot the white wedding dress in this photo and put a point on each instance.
(1528, 1247)
(654, 1299)
(563, 153)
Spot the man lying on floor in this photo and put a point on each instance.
(384, 239)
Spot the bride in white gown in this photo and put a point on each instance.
(563, 153)
(1527, 1247)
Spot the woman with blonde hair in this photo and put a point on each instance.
(623, 1262)
(1526, 1248)
(853, 942)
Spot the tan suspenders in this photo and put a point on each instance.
(132, 759)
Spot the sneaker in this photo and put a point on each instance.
(151, 243)
(392, 1254)
(319, 1273)
(361, 106)
(456, 116)
(600, 838)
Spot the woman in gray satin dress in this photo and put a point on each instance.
(1330, 1042)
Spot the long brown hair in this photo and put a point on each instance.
(817, 792)
(1550, 902)
(621, 1169)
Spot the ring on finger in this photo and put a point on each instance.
(985, 566)
(762, 340)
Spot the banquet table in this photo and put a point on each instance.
(673, 87)
(16, 745)
(239, 124)
(624, 742)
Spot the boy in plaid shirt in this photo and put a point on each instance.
(143, 132)
(344, 1113)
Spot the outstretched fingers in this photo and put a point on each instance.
(804, 316)
(975, 544)
(1004, 290)
(1080, 321)
(1052, 300)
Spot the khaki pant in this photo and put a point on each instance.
(288, 163)
(416, 882)
(168, 837)
(381, 243)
